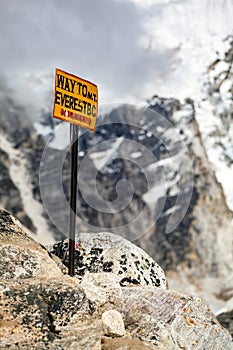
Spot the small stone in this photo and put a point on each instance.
(113, 324)
(103, 288)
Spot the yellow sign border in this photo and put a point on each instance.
(79, 116)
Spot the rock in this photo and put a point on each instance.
(113, 324)
(20, 255)
(123, 344)
(103, 289)
(226, 319)
(170, 320)
(106, 252)
(161, 318)
(43, 309)
(47, 314)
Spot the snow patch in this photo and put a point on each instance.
(21, 177)
(135, 155)
(102, 158)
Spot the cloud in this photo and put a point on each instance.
(129, 48)
(98, 40)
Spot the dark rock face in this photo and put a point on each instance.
(184, 243)
(176, 246)
(226, 319)
(20, 149)
(14, 120)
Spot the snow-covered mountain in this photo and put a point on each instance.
(215, 117)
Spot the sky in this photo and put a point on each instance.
(131, 49)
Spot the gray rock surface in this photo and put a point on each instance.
(103, 288)
(106, 252)
(20, 256)
(123, 344)
(171, 320)
(162, 318)
(46, 314)
(112, 324)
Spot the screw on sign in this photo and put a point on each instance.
(75, 101)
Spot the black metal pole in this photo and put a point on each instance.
(73, 194)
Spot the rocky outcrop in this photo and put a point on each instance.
(106, 252)
(20, 256)
(226, 319)
(45, 309)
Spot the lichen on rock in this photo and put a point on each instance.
(107, 252)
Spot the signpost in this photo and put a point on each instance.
(75, 101)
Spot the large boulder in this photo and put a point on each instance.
(20, 255)
(107, 252)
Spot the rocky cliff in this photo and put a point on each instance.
(43, 308)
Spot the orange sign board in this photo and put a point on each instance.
(75, 100)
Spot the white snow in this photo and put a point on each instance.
(226, 86)
(219, 68)
(103, 157)
(135, 155)
(172, 161)
(151, 197)
(61, 136)
(160, 129)
(192, 31)
(224, 175)
(43, 130)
